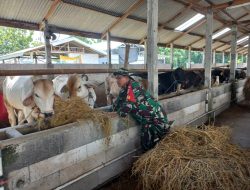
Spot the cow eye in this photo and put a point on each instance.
(36, 95)
(79, 87)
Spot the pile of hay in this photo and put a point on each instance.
(73, 110)
(191, 158)
(246, 89)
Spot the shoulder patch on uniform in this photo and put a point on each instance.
(130, 95)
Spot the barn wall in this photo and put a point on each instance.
(76, 156)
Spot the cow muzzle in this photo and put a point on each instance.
(48, 114)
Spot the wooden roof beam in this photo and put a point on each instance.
(230, 4)
(131, 9)
(243, 50)
(191, 29)
(204, 37)
(181, 12)
(49, 13)
(201, 9)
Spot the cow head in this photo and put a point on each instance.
(80, 86)
(112, 89)
(179, 76)
(42, 97)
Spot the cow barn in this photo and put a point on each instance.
(76, 155)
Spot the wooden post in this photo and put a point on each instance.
(145, 54)
(189, 57)
(214, 61)
(172, 55)
(203, 57)
(109, 50)
(248, 57)
(47, 45)
(233, 52)
(223, 57)
(208, 48)
(208, 60)
(126, 62)
(152, 25)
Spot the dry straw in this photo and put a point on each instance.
(73, 110)
(191, 158)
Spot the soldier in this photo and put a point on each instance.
(137, 102)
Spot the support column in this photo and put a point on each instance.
(152, 29)
(145, 54)
(47, 45)
(214, 61)
(208, 48)
(127, 48)
(189, 57)
(233, 52)
(248, 57)
(223, 57)
(172, 55)
(203, 57)
(109, 50)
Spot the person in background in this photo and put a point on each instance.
(137, 102)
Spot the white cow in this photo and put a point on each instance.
(34, 98)
(75, 85)
(112, 89)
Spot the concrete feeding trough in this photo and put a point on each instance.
(76, 155)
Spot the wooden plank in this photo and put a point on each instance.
(152, 23)
(109, 50)
(172, 55)
(49, 13)
(131, 9)
(233, 52)
(208, 48)
(126, 59)
(189, 57)
(248, 57)
(230, 4)
(47, 45)
(181, 12)
(188, 31)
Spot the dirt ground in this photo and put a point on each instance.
(237, 117)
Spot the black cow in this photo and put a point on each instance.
(193, 79)
(240, 74)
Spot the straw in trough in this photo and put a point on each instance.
(191, 158)
(73, 110)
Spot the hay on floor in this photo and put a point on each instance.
(75, 109)
(191, 158)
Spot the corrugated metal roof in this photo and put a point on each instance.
(117, 6)
(25, 10)
(130, 28)
(80, 18)
(95, 16)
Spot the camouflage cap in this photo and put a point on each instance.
(122, 72)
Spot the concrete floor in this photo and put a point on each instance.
(238, 118)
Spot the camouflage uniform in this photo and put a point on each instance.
(137, 102)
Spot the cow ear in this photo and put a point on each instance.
(64, 89)
(28, 101)
(85, 77)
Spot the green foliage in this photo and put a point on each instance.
(12, 39)
(181, 56)
(218, 57)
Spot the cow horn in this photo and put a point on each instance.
(85, 76)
